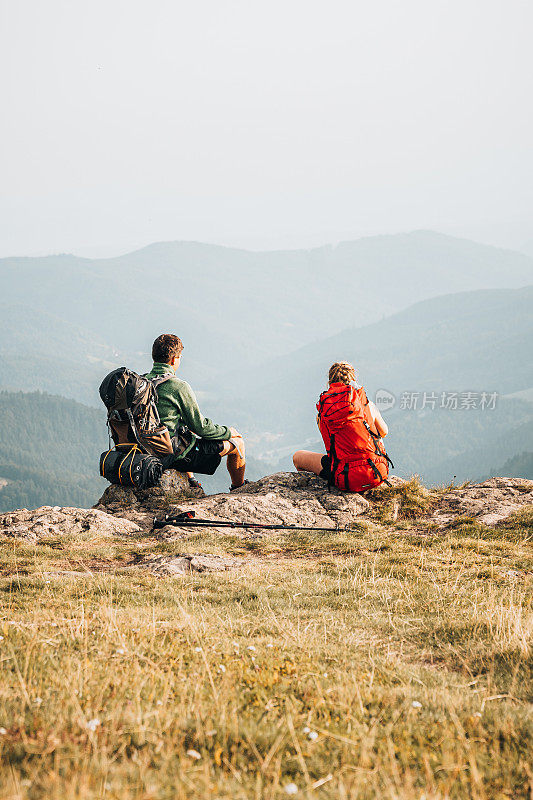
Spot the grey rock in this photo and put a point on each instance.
(489, 502)
(176, 565)
(172, 488)
(51, 521)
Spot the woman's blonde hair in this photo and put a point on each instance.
(341, 372)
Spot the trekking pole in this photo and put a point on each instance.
(188, 519)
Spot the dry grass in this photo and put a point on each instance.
(408, 500)
(382, 663)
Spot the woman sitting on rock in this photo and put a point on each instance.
(351, 427)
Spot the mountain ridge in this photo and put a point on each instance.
(419, 232)
(235, 308)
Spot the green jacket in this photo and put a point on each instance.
(177, 405)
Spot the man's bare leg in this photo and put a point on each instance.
(236, 460)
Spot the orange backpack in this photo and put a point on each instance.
(358, 458)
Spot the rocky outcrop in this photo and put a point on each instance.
(172, 488)
(52, 521)
(302, 499)
(488, 503)
(286, 498)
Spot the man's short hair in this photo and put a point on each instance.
(166, 347)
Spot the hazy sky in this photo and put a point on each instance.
(263, 124)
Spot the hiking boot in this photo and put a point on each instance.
(232, 488)
(194, 484)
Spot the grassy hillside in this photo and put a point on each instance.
(385, 662)
(49, 451)
(232, 307)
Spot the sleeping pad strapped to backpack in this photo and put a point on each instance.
(141, 441)
(358, 458)
(127, 465)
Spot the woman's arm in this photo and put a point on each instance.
(379, 422)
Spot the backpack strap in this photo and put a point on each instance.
(378, 474)
(159, 379)
(345, 473)
(134, 430)
(334, 462)
(376, 438)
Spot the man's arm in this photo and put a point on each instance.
(195, 420)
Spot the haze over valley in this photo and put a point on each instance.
(416, 312)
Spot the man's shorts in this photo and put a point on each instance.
(204, 457)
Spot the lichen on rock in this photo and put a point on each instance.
(489, 502)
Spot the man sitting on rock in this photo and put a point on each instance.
(179, 411)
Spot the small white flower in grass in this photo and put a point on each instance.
(222, 668)
(3, 731)
(93, 724)
(159, 703)
(325, 674)
(120, 651)
(251, 647)
(291, 788)
(47, 581)
(313, 735)
(38, 701)
(197, 649)
(194, 754)
(270, 644)
(416, 704)
(477, 714)
(307, 730)
(1, 638)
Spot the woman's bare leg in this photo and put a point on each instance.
(306, 461)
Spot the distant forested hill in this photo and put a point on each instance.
(519, 466)
(49, 451)
(472, 341)
(65, 319)
(442, 445)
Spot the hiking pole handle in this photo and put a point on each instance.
(172, 519)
